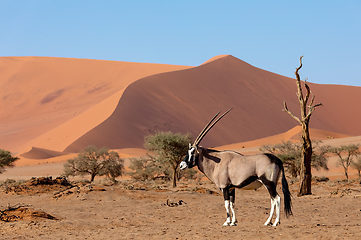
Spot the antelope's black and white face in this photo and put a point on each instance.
(190, 160)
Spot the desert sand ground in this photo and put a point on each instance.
(127, 211)
(139, 211)
(131, 210)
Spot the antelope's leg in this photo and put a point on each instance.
(227, 206)
(271, 212)
(232, 196)
(277, 201)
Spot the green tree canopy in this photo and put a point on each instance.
(345, 155)
(6, 160)
(357, 165)
(95, 162)
(169, 148)
(291, 155)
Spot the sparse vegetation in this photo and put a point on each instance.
(147, 168)
(357, 165)
(291, 155)
(95, 162)
(6, 160)
(169, 149)
(345, 155)
(191, 173)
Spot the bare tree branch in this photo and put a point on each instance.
(312, 108)
(299, 67)
(298, 82)
(312, 99)
(289, 112)
(308, 92)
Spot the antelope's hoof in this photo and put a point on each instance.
(226, 224)
(276, 224)
(233, 224)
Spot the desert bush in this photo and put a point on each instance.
(291, 155)
(345, 155)
(95, 162)
(11, 182)
(147, 168)
(357, 165)
(190, 173)
(169, 149)
(6, 160)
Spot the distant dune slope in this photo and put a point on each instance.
(40, 153)
(293, 134)
(185, 100)
(37, 94)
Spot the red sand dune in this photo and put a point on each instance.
(41, 153)
(49, 105)
(185, 100)
(293, 134)
(66, 104)
(39, 156)
(40, 93)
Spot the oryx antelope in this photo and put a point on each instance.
(230, 170)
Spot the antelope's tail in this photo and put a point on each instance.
(286, 194)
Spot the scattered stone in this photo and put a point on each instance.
(81, 187)
(37, 185)
(175, 204)
(39, 181)
(341, 192)
(15, 213)
(322, 179)
(97, 188)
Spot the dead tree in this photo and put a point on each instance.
(305, 173)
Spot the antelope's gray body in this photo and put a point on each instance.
(229, 170)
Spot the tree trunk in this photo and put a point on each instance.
(174, 177)
(92, 177)
(305, 172)
(346, 173)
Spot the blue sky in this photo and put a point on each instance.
(271, 35)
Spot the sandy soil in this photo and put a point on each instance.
(135, 211)
(332, 212)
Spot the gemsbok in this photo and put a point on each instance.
(229, 170)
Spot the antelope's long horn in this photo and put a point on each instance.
(204, 129)
(209, 127)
